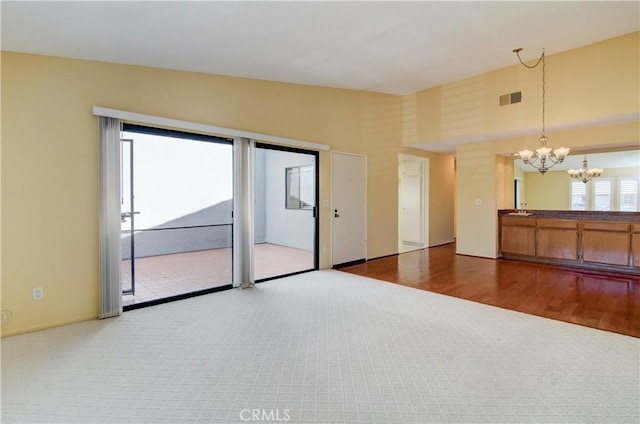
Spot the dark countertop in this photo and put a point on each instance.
(581, 215)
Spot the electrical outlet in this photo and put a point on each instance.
(38, 293)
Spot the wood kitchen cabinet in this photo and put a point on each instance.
(607, 241)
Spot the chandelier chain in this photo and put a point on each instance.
(544, 157)
(540, 59)
(517, 52)
(543, 91)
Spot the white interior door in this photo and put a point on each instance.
(349, 211)
(411, 203)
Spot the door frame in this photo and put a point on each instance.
(424, 182)
(366, 181)
(131, 215)
(316, 209)
(136, 128)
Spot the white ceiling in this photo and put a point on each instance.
(388, 47)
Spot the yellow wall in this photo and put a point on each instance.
(552, 191)
(50, 156)
(592, 101)
(519, 174)
(584, 87)
(50, 162)
(441, 203)
(505, 176)
(1, 190)
(476, 200)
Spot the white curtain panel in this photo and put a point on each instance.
(243, 211)
(110, 256)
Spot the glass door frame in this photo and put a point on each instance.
(315, 211)
(191, 136)
(130, 214)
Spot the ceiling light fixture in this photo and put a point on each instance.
(585, 173)
(544, 157)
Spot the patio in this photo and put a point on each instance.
(162, 276)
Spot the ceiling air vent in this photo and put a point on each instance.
(507, 99)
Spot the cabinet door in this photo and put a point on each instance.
(635, 245)
(558, 239)
(518, 239)
(606, 243)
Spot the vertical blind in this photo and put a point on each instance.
(578, 196)
(109, 218)
(602, 194)
(628, 194)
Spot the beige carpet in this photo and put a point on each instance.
(321, 347)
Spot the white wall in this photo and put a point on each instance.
(285, 227)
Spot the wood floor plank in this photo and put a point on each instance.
(605, 301)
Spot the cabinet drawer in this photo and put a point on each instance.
(519, 222)
(558, 223)
(605, 226)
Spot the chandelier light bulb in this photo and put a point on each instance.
(525, 155)
(561, 152)
(585, 173)
(543, 152)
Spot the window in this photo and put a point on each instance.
(628, 194)
(606, 194)
(299, 187)
(602, 194)
(578, 196)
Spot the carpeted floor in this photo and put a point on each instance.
(321, 347)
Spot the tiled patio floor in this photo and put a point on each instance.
(163, 276)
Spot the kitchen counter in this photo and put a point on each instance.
(605, 241)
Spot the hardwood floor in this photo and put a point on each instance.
(605, 301)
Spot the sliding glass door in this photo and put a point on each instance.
(176, 214)
(285, 211)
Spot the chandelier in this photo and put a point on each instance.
(544, 157)
(585, 173)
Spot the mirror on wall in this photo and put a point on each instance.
(618, 189)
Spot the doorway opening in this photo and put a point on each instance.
(518, 194)
(413, 203)
(286, 222)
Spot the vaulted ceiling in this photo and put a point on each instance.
(388, 47)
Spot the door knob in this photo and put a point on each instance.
(335, 213)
